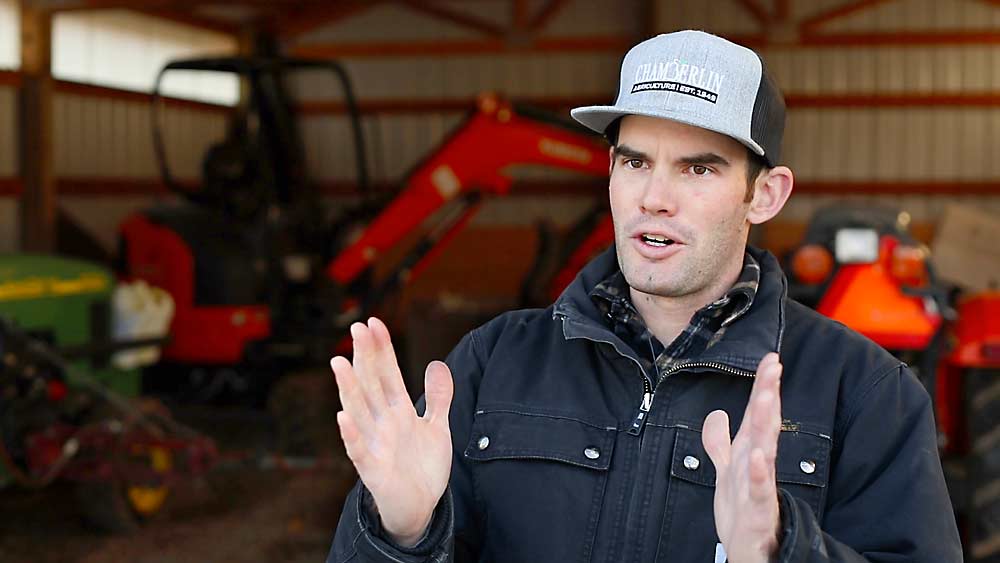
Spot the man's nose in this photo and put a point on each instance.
(659, 195)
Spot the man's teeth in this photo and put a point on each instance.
(656, 240)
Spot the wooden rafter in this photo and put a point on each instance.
(545, 15)
(474, 47)
(793, 102)
(10, 78)
(187, 18)
(456, 18)
(314, 17)
(104, 92)
(902, 38)
(782, 10)
(757, 11)
(813, 23)
(35, 128)
(520, 12)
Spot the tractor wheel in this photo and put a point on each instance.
(120, 508)
(982, 389)
(304, 407)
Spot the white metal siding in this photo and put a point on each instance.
(10, 35)
(123, 49)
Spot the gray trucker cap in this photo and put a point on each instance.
(699, 79)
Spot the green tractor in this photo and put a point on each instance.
(67, 411)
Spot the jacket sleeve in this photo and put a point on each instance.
(887, 500)
(454, 531)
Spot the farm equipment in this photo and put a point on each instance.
(264, 280)
(66, 412)
(860, 266)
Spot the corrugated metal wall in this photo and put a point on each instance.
(932, 143)
(112, 138)
(886, 144)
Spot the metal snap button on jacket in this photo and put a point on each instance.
(484, 442)
(807, 466)
(692, 463)
(592, 453)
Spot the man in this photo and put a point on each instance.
(599, 429)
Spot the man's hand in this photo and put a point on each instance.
(403, 459)
(746, 494)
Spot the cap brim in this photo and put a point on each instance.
(598, 118)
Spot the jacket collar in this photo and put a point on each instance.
(746, 341)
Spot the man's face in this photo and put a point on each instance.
(677, 198)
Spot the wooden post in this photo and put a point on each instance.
(38, 197)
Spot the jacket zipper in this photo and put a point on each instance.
(647, 397)
(639, 422)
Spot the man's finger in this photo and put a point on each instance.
(388, 365)
(764, 380)
(351, 396)
(366, 368)
(353, 442)
(438, 390)
(765, 424)
(716, 439)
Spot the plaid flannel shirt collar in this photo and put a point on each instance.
(707, 325)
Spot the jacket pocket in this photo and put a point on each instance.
(540, 480)
(801, 467)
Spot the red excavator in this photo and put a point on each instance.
(264, 276)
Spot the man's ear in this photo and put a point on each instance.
(769, 196)
(611, 160)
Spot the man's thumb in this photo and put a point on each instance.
(438, 389)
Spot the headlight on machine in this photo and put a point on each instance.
(856, 246)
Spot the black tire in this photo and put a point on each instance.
(105, 507)
(982, 407)
(116, 506)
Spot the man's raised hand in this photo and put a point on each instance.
(746, 494)
(403, 459)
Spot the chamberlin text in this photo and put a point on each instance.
(677, 71)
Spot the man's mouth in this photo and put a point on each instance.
(656, 240)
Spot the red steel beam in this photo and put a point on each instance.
(812, 24)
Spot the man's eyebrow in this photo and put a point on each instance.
(704, 158)
(629, 152)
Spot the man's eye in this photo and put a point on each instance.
(633, 163)
(699, 170)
